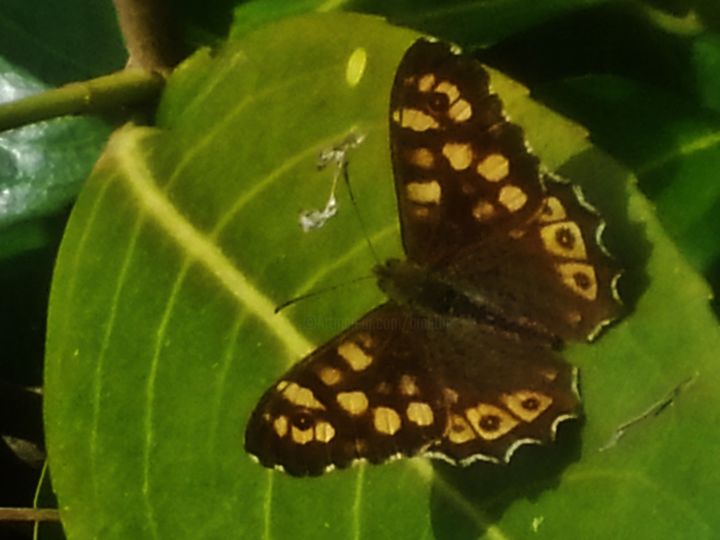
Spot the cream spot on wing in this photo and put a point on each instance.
(282, 385)
(353, 402)
(450, 395)
(564, 239)
(579, 278)
(421, 212)
(355, 357)
(460, 111)
(417, 120)
(329, 375)
(526, 404)
(449, 89)
(426, 82)
(489, 421)
(483, 210)
(324, 432)
(459, 155)
(364, 339)
(355, 67)
(421, 157)
(420, 413)
(301, 396)
(396, 116)
(552, 210)
(459, 430)
(386, 420)
(280, 425)
(494, 168)
(512, 197)
(424, 192)
(573, 317)
(408, 386)
(302, 436)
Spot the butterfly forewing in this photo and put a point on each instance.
(462, 171)
(475, 207)
(365, 394)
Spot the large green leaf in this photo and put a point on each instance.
(162, 334)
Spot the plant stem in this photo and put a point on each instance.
(109, 92)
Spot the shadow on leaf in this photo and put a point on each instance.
(466, 501)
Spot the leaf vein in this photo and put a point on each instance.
(210, 135)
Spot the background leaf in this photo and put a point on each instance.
(162, 336)
(63, 42)
(42, 166)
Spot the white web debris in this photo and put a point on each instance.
(337, 156)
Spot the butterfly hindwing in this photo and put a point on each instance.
(500, 392)
(552, 270)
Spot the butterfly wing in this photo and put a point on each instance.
(398, 384)
(365, 394)
(500, 392)
(462, 171)
(476, 210)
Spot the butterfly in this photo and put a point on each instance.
(504, 263)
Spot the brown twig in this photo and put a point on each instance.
(29, 514)
(150, 33)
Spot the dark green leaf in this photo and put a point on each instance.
(472, 22)
(706, 56)
(672, 145)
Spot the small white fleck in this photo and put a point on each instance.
(336, 155)
(536, 522)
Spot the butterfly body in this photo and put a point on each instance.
(503, 264)
(432, 294)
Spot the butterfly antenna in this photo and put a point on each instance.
(346, 177)
(318, 292)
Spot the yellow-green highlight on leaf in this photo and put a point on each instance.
(126, 147)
